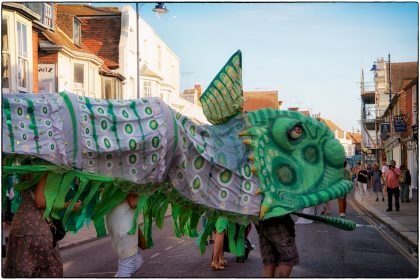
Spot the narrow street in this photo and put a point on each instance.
(369, 251)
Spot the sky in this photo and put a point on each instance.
(311, 53)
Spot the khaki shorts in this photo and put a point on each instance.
(277, 246)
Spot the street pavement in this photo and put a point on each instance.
(404, 222)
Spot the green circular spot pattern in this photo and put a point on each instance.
(192, 130)
(155, 142)
(132, 159)
(128, 128)
(132, 144)
(196, 183)
(107, 143)
(148, 110)
(104, 124)
(153, 124)
(226, 176)
(199, 162)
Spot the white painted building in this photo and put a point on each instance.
(17, 56)
(159, 66)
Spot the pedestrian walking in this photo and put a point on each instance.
(405, 182)
(362, 180)
(392, 186)
(342, 203)
(376, 182)
(277, 246)
(119, 222)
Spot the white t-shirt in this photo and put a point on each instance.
(118, 222)
(384, 170)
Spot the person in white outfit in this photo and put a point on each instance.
(362, 181)
(119, 222)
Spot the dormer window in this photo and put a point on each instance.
(48, 15)
(76, 31)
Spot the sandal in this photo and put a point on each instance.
(216, 266)
(223, 262)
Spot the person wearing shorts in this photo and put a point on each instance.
(277, 246)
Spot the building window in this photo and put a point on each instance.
(79, 78)
(92, 81)
(22, 56)
(76, 31)
(48, 15)
(108, 90)
(5, 55)
(147, 88)
(118, 89)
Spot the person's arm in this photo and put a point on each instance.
(132, 200)
(39, 195)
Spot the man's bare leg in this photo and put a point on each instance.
(269, 270)
(284, 270)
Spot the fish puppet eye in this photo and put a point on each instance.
(295, 132)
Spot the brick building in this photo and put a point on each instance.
(255, 100)
(402, 114)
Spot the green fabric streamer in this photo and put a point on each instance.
(231, 232)
(74, 122)
(240, 242)
(82, 186)
(221, 224)
(64, 184)
(24, 185)
(141, 202)
(183, 218)
(50, 192)
(205, 235)
(100, 226)
(147, 225)
(6, 110)
(161, 214)
(175, 213)
(111, 197)
(93, 191)
(194, 219)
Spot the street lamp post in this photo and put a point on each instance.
(159, 9)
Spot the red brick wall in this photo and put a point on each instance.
(50, 58)
(102, 36)
(65, 23)
(35, 61)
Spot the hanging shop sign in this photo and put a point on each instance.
(385, 130)
(400, 123)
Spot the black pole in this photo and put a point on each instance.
(138, 50)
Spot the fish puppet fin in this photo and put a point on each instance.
(223, 99)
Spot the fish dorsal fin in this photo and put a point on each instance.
(223, 98)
